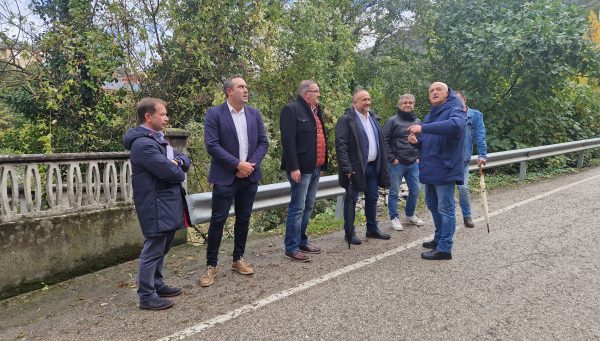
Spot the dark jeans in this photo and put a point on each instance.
(242, 193)
(150, 276)
(371, 195)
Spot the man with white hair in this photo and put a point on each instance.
(441, 140)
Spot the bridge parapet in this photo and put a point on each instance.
(42, 185)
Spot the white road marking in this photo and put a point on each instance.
(180, 335)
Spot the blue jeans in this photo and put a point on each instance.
(300, 209)
(411, 173)
(464, 197)
(150, 276)
(440, 201)
(371, 195)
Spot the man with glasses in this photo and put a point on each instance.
(304, 156)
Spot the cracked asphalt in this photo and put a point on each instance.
(534, 277)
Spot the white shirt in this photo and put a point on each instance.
(241, 128)
(366, 122)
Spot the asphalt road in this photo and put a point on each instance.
(534, 277)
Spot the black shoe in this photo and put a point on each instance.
(353, 239)
(156, 304)
(430, 244)
(469, 222)
(377, 235)
(436, 255)
(168, 291)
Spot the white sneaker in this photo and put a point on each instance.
(414, 220)
(396, 226)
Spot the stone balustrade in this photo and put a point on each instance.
(40, 185)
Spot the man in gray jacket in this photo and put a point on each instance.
(402, 158)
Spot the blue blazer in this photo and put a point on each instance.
(221, 141)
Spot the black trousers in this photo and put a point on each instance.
(242, 193)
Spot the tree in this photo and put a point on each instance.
(62, 94)
(515, 64)
(594, 27)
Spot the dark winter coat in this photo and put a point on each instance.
(157, 191)
(442, 141)
(352, 148)
(299, 137)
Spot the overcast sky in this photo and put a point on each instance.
(8, 8)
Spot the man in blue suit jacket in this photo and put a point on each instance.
(235, 138)
(441, 140)
(157, 174)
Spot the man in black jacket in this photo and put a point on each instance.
(304, 156)
(361, 158)
(402, 161)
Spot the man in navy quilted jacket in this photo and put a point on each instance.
(157, 173)
(442, 138)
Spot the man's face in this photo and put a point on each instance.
(362, 102)
(159, 120)
(238, 93)
(311, 96)
(407, 104)
(438, 93)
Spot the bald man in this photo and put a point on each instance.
(441, 139)
(361, 159)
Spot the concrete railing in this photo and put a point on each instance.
(41, 185)
(46, 185)
(277, 195)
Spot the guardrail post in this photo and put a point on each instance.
(522, 170)
(580, 159)
(339, 207)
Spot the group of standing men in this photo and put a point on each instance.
(432, 152)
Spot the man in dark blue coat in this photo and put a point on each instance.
(441, 138)
(235, 138)
(157, 173)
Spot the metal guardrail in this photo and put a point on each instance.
(267, 196)
(276, 195)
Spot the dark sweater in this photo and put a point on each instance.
(395, 135)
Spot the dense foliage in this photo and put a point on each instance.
(532, 67)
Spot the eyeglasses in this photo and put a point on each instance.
(315, 91)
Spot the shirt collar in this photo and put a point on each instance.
(158, 134)
(361, 115)
(232, 110)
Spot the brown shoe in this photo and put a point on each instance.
(209, 276)
(298, 257)
(242, 267)
(310, 249)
